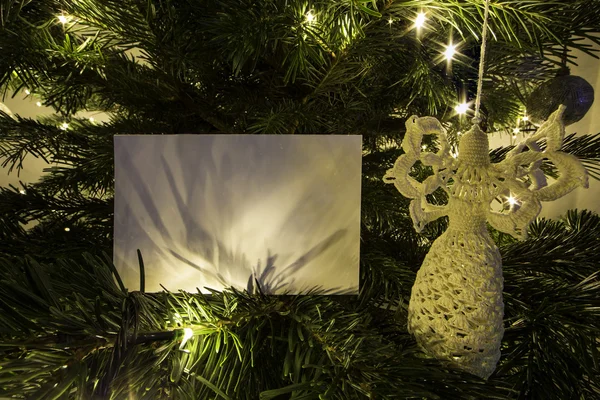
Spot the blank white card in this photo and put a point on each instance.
(219, 211)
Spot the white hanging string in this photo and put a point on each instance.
(477, 118)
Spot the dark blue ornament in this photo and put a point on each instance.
(572, 91)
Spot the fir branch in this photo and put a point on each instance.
(587, 149)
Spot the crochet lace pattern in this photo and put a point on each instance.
(456, 309)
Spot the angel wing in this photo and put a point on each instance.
(521, 173)
(421, 211)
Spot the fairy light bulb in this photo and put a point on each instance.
(64, 126)
(63, 19)
(188, 333)
(39, 103)
(391, 20)
(22, 191)
(516, 130)
(27, 91)
(67, 229)
(420, 20)
(178, 319)
(310, 17)
(512, 201)
(92, 119)
(525, 118)
(462, 108)
(450, 52)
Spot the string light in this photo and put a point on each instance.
(390, 21)
(39, 103)
(177, 318)
(420, 20)
(187, 335)
(92, 119)
(525, 118)
(27, 91)
(310, 17)
(424, 147)
(450, 52)
(462, 108)
(64, 126)
(512, 201)
(67, 229)
(63, 19)
(22, 191)
(516, 130)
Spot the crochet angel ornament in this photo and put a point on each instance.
(456, 308)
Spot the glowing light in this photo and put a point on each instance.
(454, 154)
(390, 21)
(188, 333)
(424, 147)
(462, 108)
(516, 130)
(92, 119)
(67, 229)
(177, 318)
(450, 52)
(27, 91)
(64, 126)
(420, 20)
(310, 17)
(22, 191)
(63, 19)
(525, 118)
(512, 201)
(39, 103)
